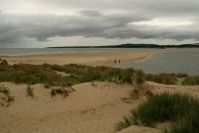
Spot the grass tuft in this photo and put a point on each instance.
(180, 109)
(59, 91)
(29, 91)
(126, 122)
(5, 98)
(4, 90)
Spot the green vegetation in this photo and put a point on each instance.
(75, 74)
(29, 91)
(126, 122)
(182, 110)
(163, 107)
(5, 98)
(46, 74)
(4, 90)
(162, 78)
(192, 80)
(59, 91)
(190, 124)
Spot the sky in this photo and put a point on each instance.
(45, 23)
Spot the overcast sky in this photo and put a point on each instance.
(42, 23)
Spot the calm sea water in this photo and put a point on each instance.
(171, 61)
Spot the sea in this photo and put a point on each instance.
(168, 61)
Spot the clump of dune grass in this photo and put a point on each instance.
(189, 124)
(163, 78)
(3, 62)
(126, 122)
(4, 90)
(180, 109)
(191, 80)
(5, 98)
(29, 91)
(163, 107)
(59, 91)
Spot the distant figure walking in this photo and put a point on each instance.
(116, 61)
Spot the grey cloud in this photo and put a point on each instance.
(152, 7)
(89, 23)
(90, 13)
(16, 27)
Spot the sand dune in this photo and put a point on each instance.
(89, 109)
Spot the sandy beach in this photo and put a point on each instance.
(87, 58)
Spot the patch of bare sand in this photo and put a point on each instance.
(90, 58)
(90, 109)
(140, 129)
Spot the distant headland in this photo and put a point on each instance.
(131, 45)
